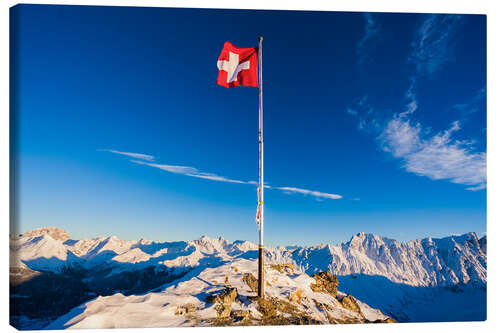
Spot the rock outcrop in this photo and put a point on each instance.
(350, 303)
(283, 268)
(224, 301)
(325, 282)
(251, 281)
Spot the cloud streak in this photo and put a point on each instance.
(194, 172)
(366, 44)
(432, 46)
(472, 106)
(430, 51)
(369, 119)
(316, 194)
(133, 155)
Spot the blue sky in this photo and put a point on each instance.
(372, 122)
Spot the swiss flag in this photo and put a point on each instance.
(237, 66)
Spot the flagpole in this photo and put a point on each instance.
(261, 179)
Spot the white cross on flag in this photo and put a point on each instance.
(237, 66)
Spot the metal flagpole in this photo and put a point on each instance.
(261, 180)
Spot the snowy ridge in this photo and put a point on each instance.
(423, 262)
(185, 302)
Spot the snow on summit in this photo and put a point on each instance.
(195, 300)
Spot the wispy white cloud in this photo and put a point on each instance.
(194, 172)
(430, 50)
(477, 188)
(366, 44)
(432, 46)
(369, 120)
(316, 194)
(472, 105)
(411, 98)
(133, 155)
(437, 156)
(433, 155)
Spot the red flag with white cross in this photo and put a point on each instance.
(237, 66)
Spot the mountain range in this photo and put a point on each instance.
(427, 279)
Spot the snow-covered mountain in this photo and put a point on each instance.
(107, 265)
(422, 262)
(39, 250)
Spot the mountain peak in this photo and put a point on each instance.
(361, 238)
(54, 232)
(112, 238)
(365, 235)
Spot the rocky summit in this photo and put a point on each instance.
(221, 296)
(54, 232)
